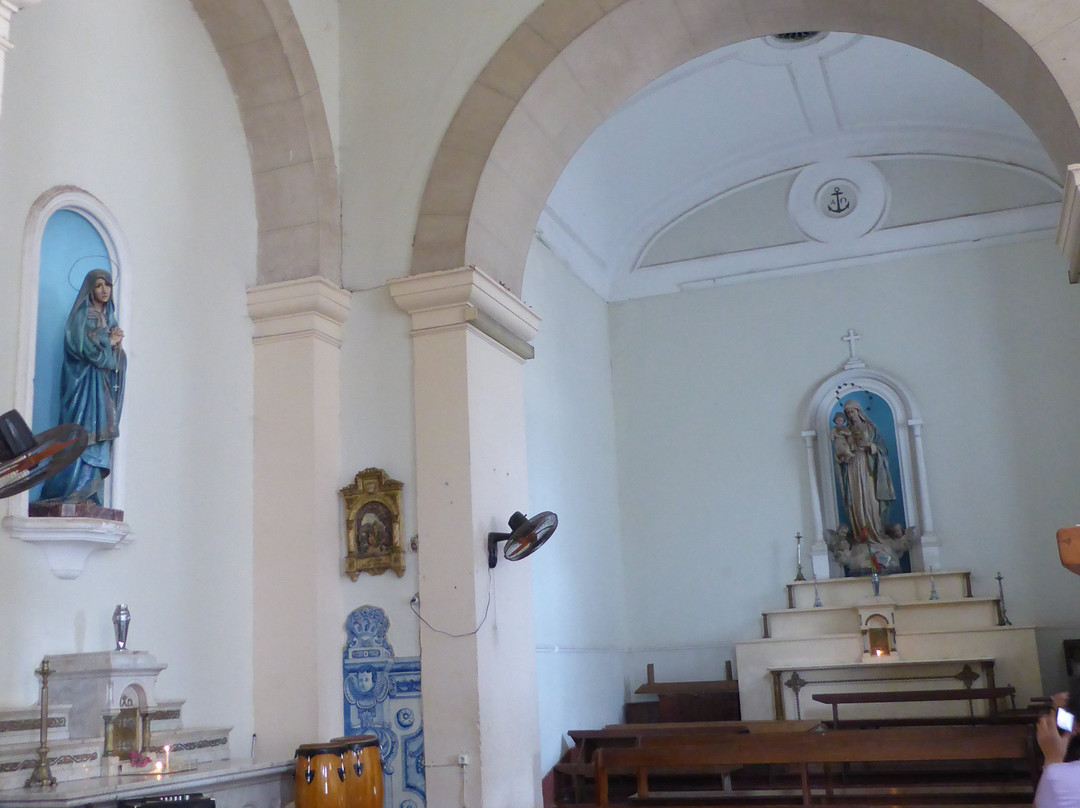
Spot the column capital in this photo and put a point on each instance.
(467, 296)
(308, 307)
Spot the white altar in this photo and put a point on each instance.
(952, 640)
(229, 784)
(111, 738)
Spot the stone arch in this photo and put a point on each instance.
(571, 63)
(297, 198)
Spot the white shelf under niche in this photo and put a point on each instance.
(68, 541)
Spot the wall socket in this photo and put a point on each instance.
(463, 759)
(415, 600)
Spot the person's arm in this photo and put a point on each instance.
(1051, 741)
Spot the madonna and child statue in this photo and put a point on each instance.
(91, 393)
(871, 533)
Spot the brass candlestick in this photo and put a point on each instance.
(42, 774)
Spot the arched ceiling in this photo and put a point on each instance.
(729, 167)
(572, 63)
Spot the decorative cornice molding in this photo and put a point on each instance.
(467, 296)
(309, 307)
(1068, 232)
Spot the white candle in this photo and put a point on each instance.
(798, 548)
(167, 758)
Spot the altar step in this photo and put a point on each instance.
(909, 617)
(68, 760)
(908, 587)
(23, 726)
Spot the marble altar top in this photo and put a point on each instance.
(97, 790)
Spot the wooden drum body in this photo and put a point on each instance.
(363, 771)
(320, 779)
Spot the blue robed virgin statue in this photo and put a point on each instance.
(91, 389)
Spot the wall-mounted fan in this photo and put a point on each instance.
(525, 537)
(27, 459)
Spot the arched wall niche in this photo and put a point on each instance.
(94, 211)
(571, 63)
(910, 466)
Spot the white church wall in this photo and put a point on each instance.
(406, 73)
(102, 96)
(377, 430)
(709, 388)
(578, 607)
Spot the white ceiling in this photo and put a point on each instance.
(717, 172)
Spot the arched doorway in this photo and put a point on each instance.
(566, 69)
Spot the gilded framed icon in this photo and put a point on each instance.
(373, 525)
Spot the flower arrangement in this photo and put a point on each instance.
(138, 760)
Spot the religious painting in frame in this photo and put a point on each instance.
(373, 525)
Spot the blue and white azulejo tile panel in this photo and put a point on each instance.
(381, 697)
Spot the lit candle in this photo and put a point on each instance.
(167, 757)
(158, 766)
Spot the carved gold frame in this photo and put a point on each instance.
(373, 525)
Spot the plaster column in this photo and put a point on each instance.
(298, 552)
(819, 551)
(470, 337)
(7, 11)
(929, 545)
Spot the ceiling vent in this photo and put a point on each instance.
(794, 39)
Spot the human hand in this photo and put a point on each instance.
(115, 336)
(1051, 740)
(1059, 700)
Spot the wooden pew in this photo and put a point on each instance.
(988, 694)
(586, 741)
(908, 744)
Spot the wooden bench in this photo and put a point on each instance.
(580, 768)
(971, 695)
(801, 749)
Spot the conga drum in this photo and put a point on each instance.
(319, 778)
(363, 771)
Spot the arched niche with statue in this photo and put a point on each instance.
(868, 487)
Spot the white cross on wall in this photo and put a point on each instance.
(850, 340)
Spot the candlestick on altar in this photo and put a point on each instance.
(42, 775)
(798, 558)
(1005, 621)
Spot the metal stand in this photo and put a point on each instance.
(42, 775)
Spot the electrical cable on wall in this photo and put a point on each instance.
(414, 604)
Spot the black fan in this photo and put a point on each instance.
(525, 537)
(27, 459)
